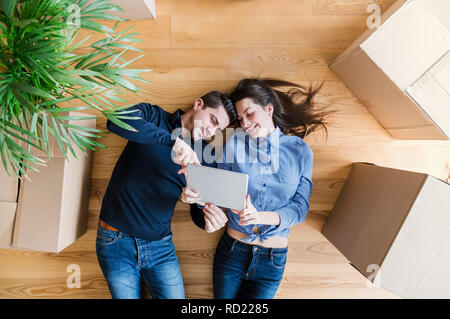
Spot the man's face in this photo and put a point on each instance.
(207, 121)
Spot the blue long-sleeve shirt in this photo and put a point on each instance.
(145, 186)
(280, 179)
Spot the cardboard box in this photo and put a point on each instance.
(394, 227)
(7, 215)
(384, 62)
(52, 208)
(136, 9)
(432, 90)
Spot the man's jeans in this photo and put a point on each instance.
(243, 271)
(125, 259)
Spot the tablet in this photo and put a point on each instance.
(220, 187)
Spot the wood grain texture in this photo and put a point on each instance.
(238, 8)
(347, 6)
(195, 46)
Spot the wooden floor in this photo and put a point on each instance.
(195, 46)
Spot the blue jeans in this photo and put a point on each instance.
(247, 271)
(124, 260)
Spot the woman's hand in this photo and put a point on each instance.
(248, 216)
(215, 218)
(190, 196)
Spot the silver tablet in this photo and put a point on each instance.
(220, 187)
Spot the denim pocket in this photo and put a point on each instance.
(106, 237)
(278, 260)
(225, 246)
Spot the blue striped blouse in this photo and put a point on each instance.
(280, 178)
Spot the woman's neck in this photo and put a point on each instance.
(267, 131)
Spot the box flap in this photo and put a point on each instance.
(39, 208)
(441, 8)
(369, 212)
(7, 216)
(408, 43)
(432, 93)
(74, 206)
(396, 112)
(368, 32)
(436, 282)
(417, 252)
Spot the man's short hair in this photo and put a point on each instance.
(216, 99)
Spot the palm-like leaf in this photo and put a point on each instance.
(41, 67)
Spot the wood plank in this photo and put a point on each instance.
(340, 7)
(92, 287)
(290, 288)
(335, 161)
(214, 31)
(235, 8)
(169, 94)
(198, 63)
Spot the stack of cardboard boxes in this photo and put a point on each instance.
(48, 211)
(393, 225)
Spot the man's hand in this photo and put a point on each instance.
(215, 218)
(248, 216)
(184, 154)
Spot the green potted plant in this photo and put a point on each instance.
(44, 64)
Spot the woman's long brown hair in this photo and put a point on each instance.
(294, 110)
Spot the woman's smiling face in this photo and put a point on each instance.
(255, 119)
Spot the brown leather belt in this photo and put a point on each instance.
(102, 224)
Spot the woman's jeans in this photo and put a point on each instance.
(124, 260)
(247, 271)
